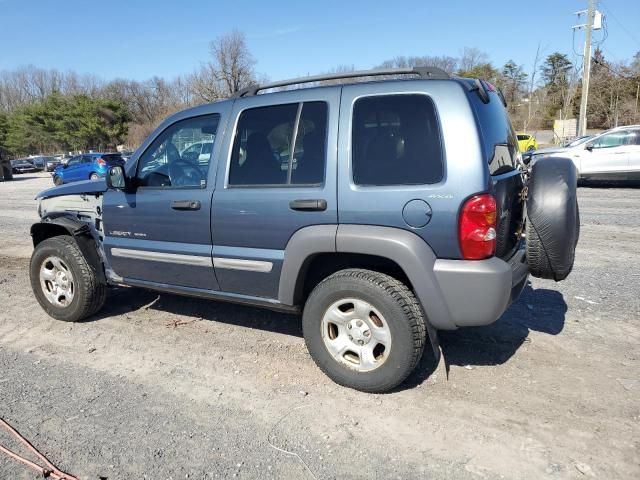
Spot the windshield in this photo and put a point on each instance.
(578, 141)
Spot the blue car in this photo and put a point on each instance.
(88, 166)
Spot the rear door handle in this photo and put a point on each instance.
(185, 205)
(316, 205)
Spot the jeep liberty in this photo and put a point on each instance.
(381, 210)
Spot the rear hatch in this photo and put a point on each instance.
(501, 152)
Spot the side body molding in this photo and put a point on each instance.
(411, 253)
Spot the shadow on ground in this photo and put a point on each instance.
(539, 310)
(609, 183)
(18, 177)
(123, 300)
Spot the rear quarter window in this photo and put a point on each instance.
(499, 141)
(396, 141)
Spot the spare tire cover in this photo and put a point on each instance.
(553, 224)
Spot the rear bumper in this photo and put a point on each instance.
(477, 292)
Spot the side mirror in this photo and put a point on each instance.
(116, 178)
(589, 147)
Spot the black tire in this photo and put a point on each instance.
(553, 220)
(57, 181)
(395, 302)
(89, 295)
(94, 176)
(531, 148)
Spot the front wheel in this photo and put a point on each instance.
(94, 176)
(57, 181)
(364, 329)
(64, 284)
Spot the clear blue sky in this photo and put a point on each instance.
(142, 38)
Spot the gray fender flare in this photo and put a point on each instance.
(411, 253)
(406, 249)
(301, 248)
(54, 225)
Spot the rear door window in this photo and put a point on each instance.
(280, 145)
(396, 141)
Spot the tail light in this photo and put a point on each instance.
(101, 162)
(477, 227)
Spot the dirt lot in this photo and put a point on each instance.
(158, 386)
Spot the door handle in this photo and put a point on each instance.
(316, 205)
(185, 205)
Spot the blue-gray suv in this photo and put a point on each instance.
(381, 210)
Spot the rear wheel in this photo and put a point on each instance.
(364, 329)
(94, 176)
(63, 282)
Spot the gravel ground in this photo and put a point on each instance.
(160, 386)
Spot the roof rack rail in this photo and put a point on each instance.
(434, 73)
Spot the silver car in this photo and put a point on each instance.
(611, 155)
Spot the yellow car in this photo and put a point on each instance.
(527, 143)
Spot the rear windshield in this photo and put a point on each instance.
(500, 146)
(523, 137)
(112, 158)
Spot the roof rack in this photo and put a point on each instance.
(433, 73)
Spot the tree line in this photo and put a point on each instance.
(46, 111)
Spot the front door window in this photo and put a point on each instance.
(172, 162)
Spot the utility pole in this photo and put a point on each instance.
(586, 73)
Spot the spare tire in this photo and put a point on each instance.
(553, 221)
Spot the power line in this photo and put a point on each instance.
(605, 65)
(610, 12)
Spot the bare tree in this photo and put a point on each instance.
(235, 62)
(470, 58)
(230, 69)
(448, 64)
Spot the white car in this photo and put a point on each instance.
(611, 155)
(199, 152)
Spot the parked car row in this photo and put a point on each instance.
(88, 166)
(35, 164)
(24, 165)
(609, 156)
